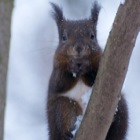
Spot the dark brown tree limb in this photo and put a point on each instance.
(6, 7)
(112, 72)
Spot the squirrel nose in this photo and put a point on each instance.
(79, 49)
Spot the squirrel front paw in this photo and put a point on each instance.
(68, 135)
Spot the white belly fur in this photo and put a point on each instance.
(80, 93)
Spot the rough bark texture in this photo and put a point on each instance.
(112, 71)
(5, 23)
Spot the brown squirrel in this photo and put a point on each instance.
(76, 63)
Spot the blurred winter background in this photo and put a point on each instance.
(33, 42)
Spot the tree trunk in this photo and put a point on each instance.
(6, 7)
(112, 72)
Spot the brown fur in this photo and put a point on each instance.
(78, 52)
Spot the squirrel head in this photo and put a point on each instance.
(78, 47)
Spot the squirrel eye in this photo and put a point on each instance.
(64, 37)
(92, 36)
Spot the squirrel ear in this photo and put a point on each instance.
(95, 12)
(57, 14)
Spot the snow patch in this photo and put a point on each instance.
(74, 75)
(116, 110)
(77, 124)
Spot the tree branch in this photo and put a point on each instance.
(6, 7)
(112, 72)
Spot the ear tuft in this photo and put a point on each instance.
(95, 12)
(57, 14)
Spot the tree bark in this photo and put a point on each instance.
(112, 72)
(6, 7)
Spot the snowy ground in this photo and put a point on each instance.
(34, 39)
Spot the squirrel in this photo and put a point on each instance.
(75, 67)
